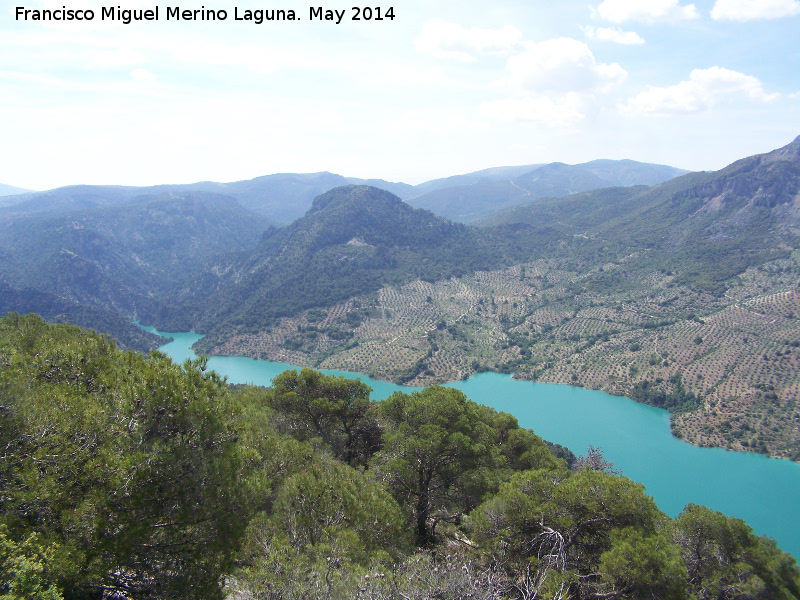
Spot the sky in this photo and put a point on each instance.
(444, 87)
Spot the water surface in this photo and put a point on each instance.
(765, 492)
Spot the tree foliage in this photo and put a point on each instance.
(443, 453)
(123, 466)
(575, 532)
(727, 561)
(335, 409)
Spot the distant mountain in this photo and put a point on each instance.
(630, 172)
(281, 198)
(128, 258)
(706, 226)
(66, 199)
(479, 194)
(401, 190)
(10, 190)
(285, 197)
(468, 204)
(483, 176)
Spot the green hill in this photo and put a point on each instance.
(353, 240)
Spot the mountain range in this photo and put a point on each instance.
(285, 197)
(467, 198)
(704, 227)
(558, 262)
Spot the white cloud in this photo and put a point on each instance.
(613, 34)
(553, 84)
(701, 92)
(562, 65)
(751, 10)
(143, 76)
(560, 112)
(447, 40)
(648, 11)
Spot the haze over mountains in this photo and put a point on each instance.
(285, 197)
(10, 190)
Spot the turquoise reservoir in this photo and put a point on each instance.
(765, 492)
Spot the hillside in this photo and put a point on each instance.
(491, 174)
(54, 309)
(478, 195)
(353, 240)
(124, 260)
(683, 296)
(630, 172)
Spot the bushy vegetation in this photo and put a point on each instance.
(125, 476)
(118, 472)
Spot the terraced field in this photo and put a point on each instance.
(728, 367)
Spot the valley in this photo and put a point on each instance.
(431, 301)
(682, 295)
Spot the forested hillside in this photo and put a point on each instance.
(125, 475)
(124, 260)
(353, 240)
(56, 309)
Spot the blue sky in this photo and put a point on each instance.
(445, 87)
